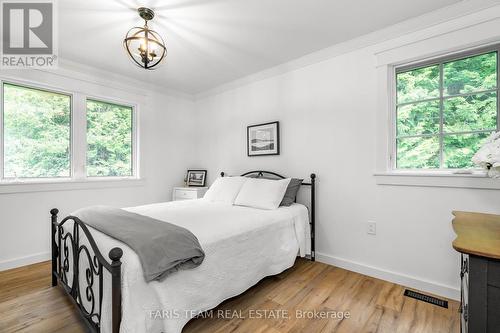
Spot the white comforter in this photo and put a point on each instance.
(242, 246)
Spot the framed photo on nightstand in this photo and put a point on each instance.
(196, 178)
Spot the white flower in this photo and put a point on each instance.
(489, 154)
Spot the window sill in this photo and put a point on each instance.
(65, 184)
(478, 180)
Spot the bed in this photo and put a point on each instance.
(242, 246)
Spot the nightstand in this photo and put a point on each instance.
(188, 193)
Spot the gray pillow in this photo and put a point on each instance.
(291, 192)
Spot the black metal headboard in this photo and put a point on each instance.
(312, 184)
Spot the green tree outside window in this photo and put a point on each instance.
(36, 133)
(445, 111)
(109, 139)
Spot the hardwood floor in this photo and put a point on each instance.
(29, 304)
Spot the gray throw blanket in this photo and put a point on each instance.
(162, 247)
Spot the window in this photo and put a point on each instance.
(109, 139)
(46, 134)
(36, 133)
(444, 110)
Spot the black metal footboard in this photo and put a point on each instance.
(68, 252)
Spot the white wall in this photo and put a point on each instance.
(165, 135)
(328, 122)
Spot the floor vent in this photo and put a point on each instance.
(426, 298)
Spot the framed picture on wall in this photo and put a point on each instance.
(196, 178)
(263, 139)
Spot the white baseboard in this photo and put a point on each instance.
(394, 277)
(23, 261)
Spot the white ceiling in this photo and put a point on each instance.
(211, 42)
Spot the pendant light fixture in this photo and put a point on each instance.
(145, 46)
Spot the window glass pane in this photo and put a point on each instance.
(36, 133)
(470, 113)
(109, 139)
(418, 84)
(471, 74)
(458, 149)
(418, 153)
(419, 118)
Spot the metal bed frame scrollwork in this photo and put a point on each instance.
(61, 258)
(68, 251)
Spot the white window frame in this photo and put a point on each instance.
(78, 146)
(393, 109)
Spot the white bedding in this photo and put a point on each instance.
(242, 246)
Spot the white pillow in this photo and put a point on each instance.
(225, 189)
(262, 193)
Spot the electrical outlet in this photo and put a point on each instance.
(372, 228)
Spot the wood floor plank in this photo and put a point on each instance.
(29, 304)
(391, 296)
